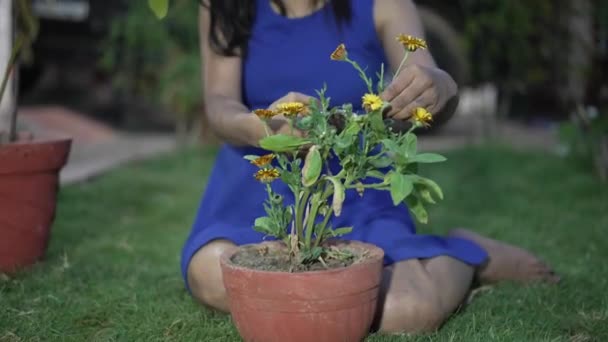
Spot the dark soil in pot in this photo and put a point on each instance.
(276, 258)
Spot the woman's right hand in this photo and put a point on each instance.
(279, 124)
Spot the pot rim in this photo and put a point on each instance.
(39, 141)
(228, 254)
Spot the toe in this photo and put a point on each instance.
(553, 278)
(548, 275)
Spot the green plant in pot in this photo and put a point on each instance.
(29, 169)
(306, 284)
(318, 287)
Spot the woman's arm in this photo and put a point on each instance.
(420, 83)
(228, 117)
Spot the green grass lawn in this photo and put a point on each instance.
(112, 270)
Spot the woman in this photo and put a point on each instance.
(257, 54)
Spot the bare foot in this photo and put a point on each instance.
(507, 262)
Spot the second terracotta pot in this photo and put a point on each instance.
(29, 180)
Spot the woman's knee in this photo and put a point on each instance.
(205, 275)
(408, 312)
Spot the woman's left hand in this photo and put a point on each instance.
(419, 86)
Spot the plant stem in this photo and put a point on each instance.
(362, 74)
(340, 174)
(300, 206)
(409, 131)
(291, 125)
(7, 72)
(322, 228)
(407, 53)
(327, 192)
(381, 79)
(311, 221)
(368, 186)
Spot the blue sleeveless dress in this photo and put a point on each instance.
(293, 55)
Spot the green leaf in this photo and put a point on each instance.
(353, 128)
(349, 135)
(417, 208)
(380, 76)
(316, 252)
(376, 122)
(305, 123)
(343, 142)
(381, 162)
(308, 256)
(312, 167)
(341, 231)
(347, 107)
(347, 161)
(251, 157)
(264, 225)
(375, 174)
(401, 187)
(411, 145)
(282, 143)
(427, 158)
(425, 194)
(434, 187)
(390, 145)
(338, 195)
(159, 7)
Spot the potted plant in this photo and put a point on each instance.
(308, 285)
(29, 170)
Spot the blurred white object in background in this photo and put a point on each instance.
(479, 107)
(481, 100)
(71, 10)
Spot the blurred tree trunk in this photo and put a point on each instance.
(6, 39)
(578, 18)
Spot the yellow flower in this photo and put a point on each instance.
(264, 113)
(263, 160)
(291, 108)
(411, 43)
(340, 53)
(372, 102)
(267, 175)
(422, 117)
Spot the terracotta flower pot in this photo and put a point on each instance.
(336, 305)
(28, 189)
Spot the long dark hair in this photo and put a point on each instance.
(231, 22)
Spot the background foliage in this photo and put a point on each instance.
(519, 46)
(157, 60)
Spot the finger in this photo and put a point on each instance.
(292, 97)
(405, 113)
(407, 96)
(437, 103)
(277, 123)
(427, 100)
(298, 97)
(403, 80)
